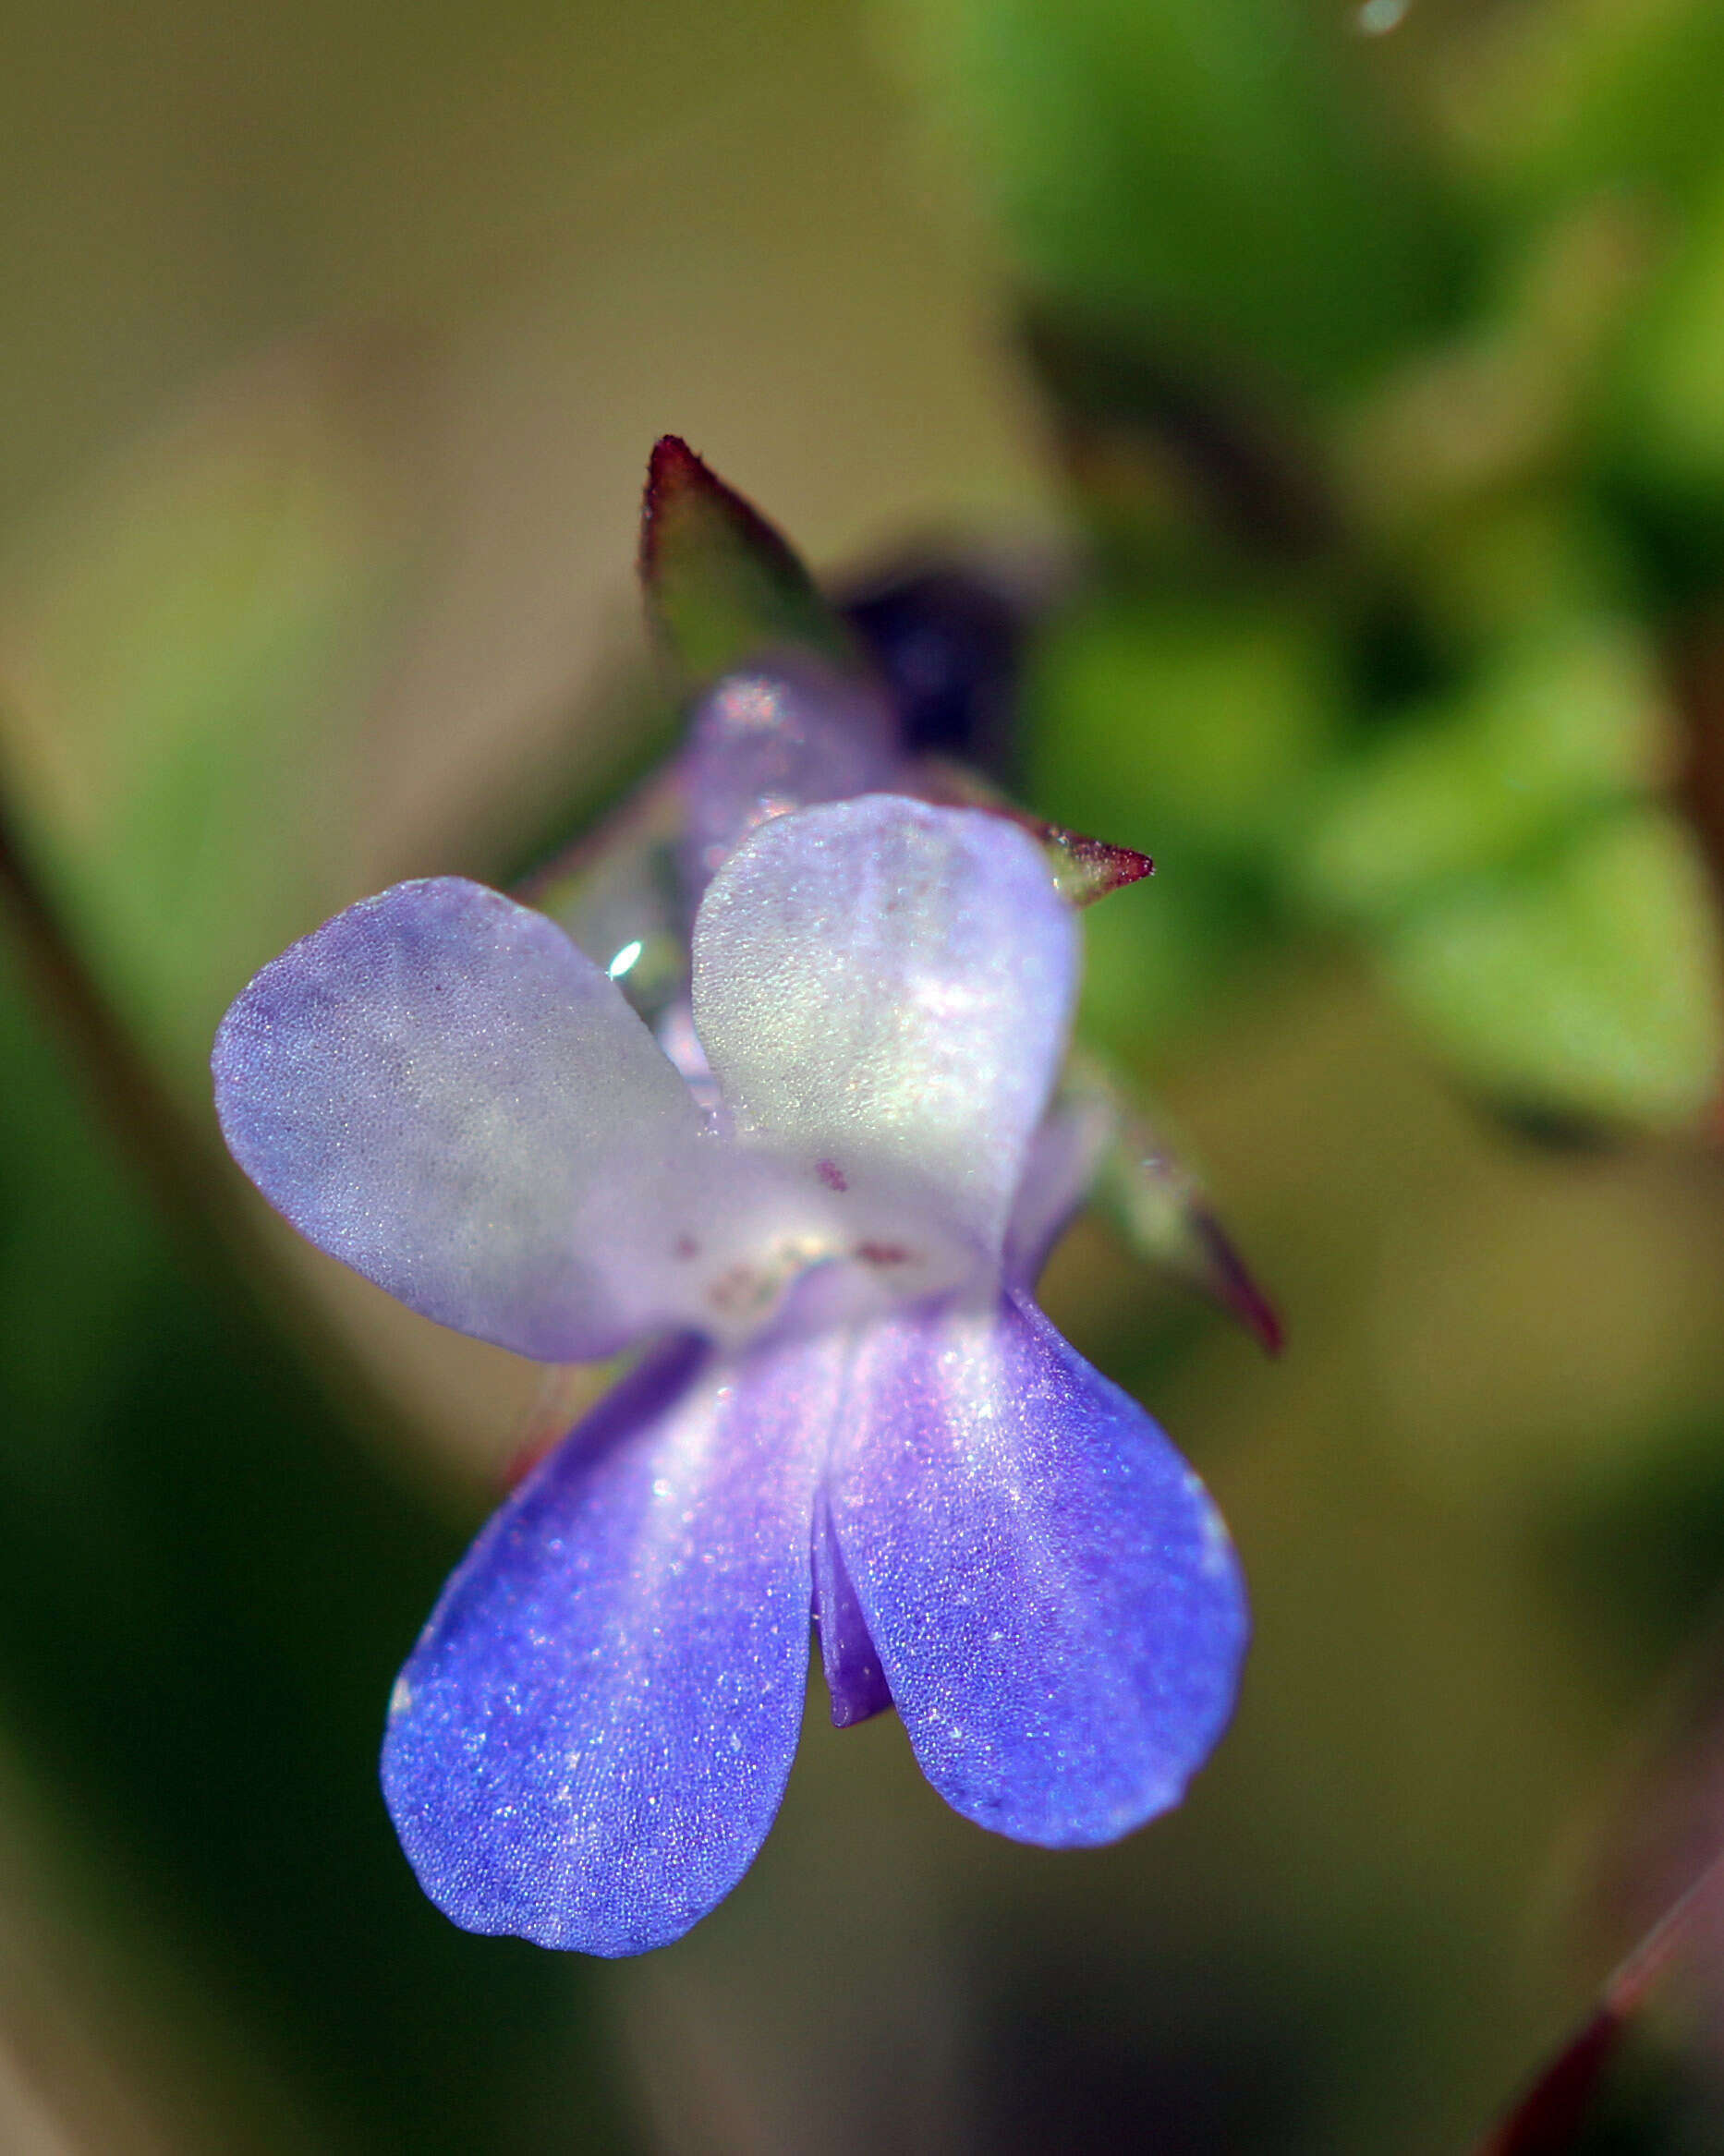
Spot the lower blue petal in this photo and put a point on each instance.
(593, 1735)
(1055, 1603)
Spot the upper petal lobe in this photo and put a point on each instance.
(438, 1088)
(884, 989)
(592, 1737)
(1054, 1598)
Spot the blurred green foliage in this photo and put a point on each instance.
(1304, 275)
(1544, 739)
(1206, 170)
(1194, 724)
(1587, 985)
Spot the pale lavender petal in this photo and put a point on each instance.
(1055, 1603)
(777, 737)
(438, 1089)
(884, 989)
(1063, 1156)
(592, 1737)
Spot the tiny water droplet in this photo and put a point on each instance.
(1377, 18)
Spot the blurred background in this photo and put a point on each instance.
(1293, 435)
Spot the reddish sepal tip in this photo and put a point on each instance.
(677, 478)
(1098, 866)
(1233, 1287)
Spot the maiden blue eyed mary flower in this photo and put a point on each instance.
(826, 1218)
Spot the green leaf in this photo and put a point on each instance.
(1488, 573)
(1555, 729)
(722, 585)
(1673, 390)
(1589, 985)
(1598, 95)
(1212, 168)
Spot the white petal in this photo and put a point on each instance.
(438, 1089)
(884, 991)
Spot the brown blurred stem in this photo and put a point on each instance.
(181, 1173)
(1546, 2119)
(127, 1092)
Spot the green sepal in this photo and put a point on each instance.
(1151, 1192)
(1084, 869)
(722, 585)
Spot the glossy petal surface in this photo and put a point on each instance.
(591, 1738)
(883, 989)
(438, 1089)
(1054, 1598)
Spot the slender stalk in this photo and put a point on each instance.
(1547, 2119)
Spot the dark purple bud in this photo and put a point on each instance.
(949, 638)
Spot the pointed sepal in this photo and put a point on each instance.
(722, 585)
(1088, 869)
(1084, 870)
(1157, 1201)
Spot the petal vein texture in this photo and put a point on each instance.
(438, 1089)
(593, 1735)
(1056, 1605)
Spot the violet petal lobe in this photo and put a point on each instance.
(855, 1683)
(592, 1736)
(438, 1089)
(1058, 1173)
(885, 988)
(1054, 1597)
